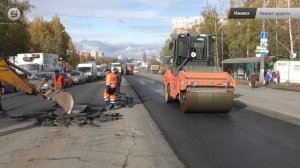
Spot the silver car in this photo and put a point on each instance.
(78, 77)
(48, 76)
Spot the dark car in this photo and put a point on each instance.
(9, 88)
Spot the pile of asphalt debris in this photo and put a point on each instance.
(89, 116)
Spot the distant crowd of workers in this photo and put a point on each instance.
(112, 85)
(270, 76)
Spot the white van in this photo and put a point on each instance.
(89, 70)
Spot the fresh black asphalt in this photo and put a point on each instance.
(239, 139)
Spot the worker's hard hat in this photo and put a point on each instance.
(107, 70)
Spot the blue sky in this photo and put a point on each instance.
(141, 21)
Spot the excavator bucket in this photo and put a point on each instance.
(63, 99)
(9, 75)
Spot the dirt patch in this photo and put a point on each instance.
(90, 115)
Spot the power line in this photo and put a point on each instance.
(109, 17)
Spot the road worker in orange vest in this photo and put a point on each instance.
(110, 89)
(58, 80)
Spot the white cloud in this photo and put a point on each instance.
(126, 49)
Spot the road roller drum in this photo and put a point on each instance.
(207, 99)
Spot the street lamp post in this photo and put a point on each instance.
(59, 49)
(262, 57)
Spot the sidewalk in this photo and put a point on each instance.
(281, 86)
(280, 104)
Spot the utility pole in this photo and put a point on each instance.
(217, 52)
(247, 39)
(276, 33)
(222, 34)
(262, 57)
(291, 34)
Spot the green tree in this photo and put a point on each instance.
(14, 35)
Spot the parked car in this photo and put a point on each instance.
(136, 70)
(68, 82)
(33, 79)
(100, 72)
(47, 75)
(9, 88)
(78, 77)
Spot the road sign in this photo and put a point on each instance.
(264, 44)
(263, 40)
(263, 35)
(264, 13)
(14, 14)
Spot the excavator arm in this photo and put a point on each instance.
(9, 75)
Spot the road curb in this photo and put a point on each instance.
(270, 113)
(179, 157)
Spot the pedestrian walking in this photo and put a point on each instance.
(119, 79)
(58, 80)
(110, 89)
(268, 78)
(278, 76)
(273, 72)
(253, 80)
(1, 93)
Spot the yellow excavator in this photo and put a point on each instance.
(9, 75)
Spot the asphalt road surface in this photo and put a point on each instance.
(241, 138)
(131, 141)
(20, 103)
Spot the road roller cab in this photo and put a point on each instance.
(194, 80)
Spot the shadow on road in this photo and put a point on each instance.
(238, 104)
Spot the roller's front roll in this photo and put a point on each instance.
(207, 99)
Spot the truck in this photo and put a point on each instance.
(100, 71)
(289, 70)
(194, 78)
(117, 65)
(89, 70)
(128, 69)
(36, 62)
(154, 69)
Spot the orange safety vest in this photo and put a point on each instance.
(57, 82)
(111, 80)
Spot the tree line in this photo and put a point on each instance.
(238, 38)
